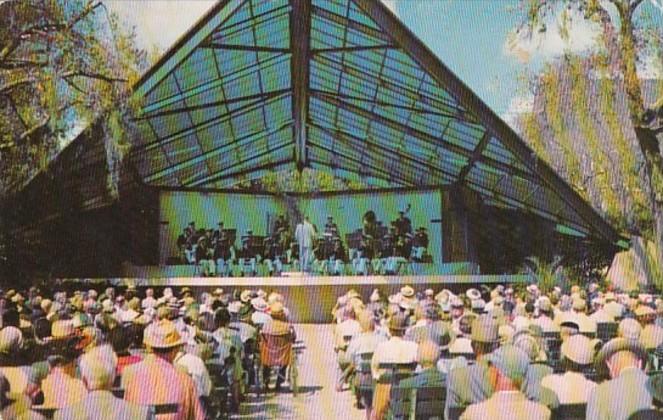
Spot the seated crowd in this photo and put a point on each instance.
(75, 355)
(372, 249)
(502, 353)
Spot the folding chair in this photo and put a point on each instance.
(276, 351)
(570, 412)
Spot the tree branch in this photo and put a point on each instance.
(92, 75)
(5, 90)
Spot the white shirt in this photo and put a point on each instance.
(546, 324)
(348, 327)
(196, 369)
(260, 317)
(395, 350)
(305, 234)
(570, 387)
(149, 302)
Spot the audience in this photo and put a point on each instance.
(64, 350)
(98, 368)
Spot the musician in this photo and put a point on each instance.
(331, 229)
(403, 224)
(319, 257)
(191, 229)
(292, 256)
(224, 254)
(246, 256)
(182, 242)
(205, 255)
(305, 236)
(386, 263)
(273, 256)
(280, 226)
(362, 258)
(337, 258)
(218, 233)
(420, 244)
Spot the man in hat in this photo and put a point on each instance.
(98, 372)
(545, 318)
(278, 326)
(331, 229)
(469, 384)
(260, 315)
(509, 369)
(155, 380)
(571, 387)
(626, 392)
(394, 350)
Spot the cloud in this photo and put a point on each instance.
(565, 32)
(159, 23)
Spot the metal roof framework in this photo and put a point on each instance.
(336, 85)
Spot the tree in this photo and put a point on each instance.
(628, 36)
(63, 63)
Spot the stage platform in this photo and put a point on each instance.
(311, 298)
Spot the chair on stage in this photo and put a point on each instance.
(277, 351)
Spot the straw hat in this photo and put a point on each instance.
(259, 304)
(485, 330)
(63, 329)
(578, 349)
(407, 291)
(11, 340)
(245, 296)
(162, 335)
(473, 294)
(617, 345)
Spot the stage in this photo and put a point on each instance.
(310, 298)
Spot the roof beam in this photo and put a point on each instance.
(352, 49)
(425, 137)
(476, 155)
(464, 95)
(221, 177)
(249, 48)
(350, 23)
(185, 46)
(300, 39)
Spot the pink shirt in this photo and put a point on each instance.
(156, 381)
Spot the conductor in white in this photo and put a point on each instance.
(305, 236)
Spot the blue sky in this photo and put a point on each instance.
(472, 37)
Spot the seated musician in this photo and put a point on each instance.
(386, 263)
(273, 256)
(363, 256)
(182, 242)
(420, 244)
(319, 264)
(224, 254)
(246, 256)
(403, 224)
(218, 233)
(205, 255)
(331, 228)
(292, 256)
(337, 258)
(280, 226)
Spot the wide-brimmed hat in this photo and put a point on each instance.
(473, 294)
(578, 349)
(162, 335)
(245, 296)
(485, 329)
(259, 304)
(511, 361)
(644, 311)
(545, 304)
(375, 296)
(407, 291)
(456, 302)
(620, 344)
(579, 304)
(277, 308)
(217, 292)
(63, 329)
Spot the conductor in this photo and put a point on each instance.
(305, 237)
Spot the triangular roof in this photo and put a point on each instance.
(341, 85)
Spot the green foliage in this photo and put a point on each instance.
(62, 63)
(306, 181)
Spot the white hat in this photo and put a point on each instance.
(407, 291)
(578, 349)
(473, 294)
(630, 329)
(259, 304)
(375, 296)
(429, 292)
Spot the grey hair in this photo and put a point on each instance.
(98, 367)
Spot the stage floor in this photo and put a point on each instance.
(311, 298)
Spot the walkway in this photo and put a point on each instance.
(317, 398)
